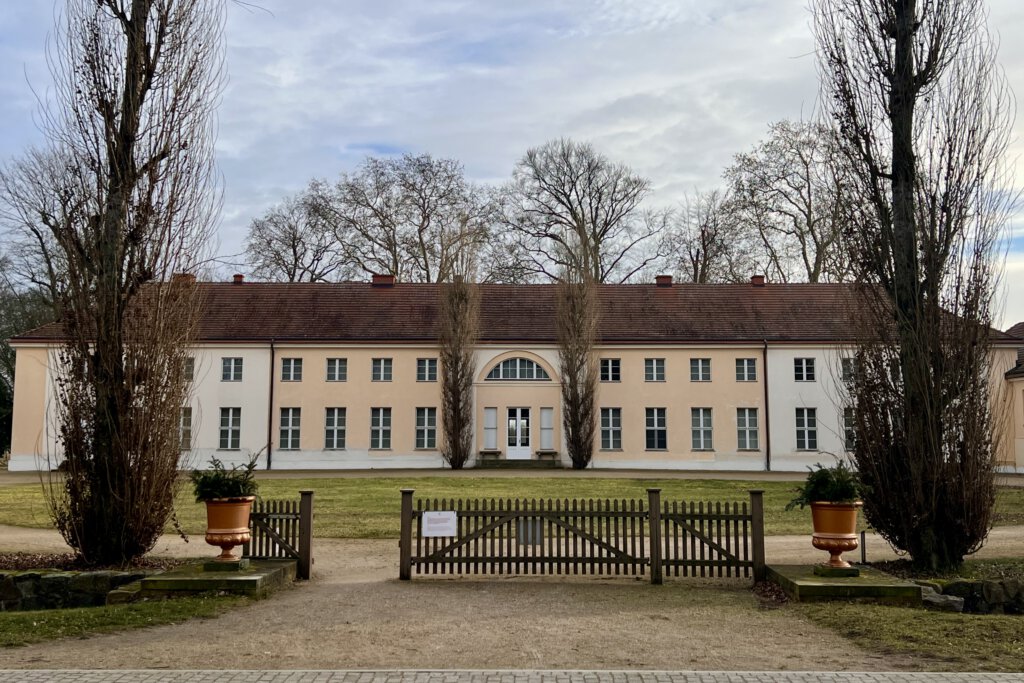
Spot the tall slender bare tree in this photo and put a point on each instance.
(130, 135)
(576, 321)
(459, 327)
(922, 112)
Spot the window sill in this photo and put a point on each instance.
(808, 450)
(748, 381)
(656, 450)
(748, 450)
(702, 450)
(654, 381)
(700, 381)
(229, 450)
(336, 449)
(382, 381)
(335, 380)
(611, 381)
(609, 450)
(379, 450)
(428, 449)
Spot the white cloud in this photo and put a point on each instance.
(673, 88)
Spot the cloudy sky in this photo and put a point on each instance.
(673, 88)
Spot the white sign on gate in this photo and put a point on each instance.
(440, 524)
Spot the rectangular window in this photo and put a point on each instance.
(291, 369)
(188, 370)
(611, 429)
(337, 369)
(334, 422)
(230, 369)
(700, 429)
(547, 429)
(806, 429)
(381, 370)
(611, 370)
(426, 428)
(849, 426)
(746, 429)
(290, 422)
(700, 369)
(746, 369)
(380, 428)
(230, 429)
(185, 429)
(803, 369)
(654, 369)
(657, 433)
(490, 429)
(849, 369)
(426, 369)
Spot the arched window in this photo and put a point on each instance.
(518, 368)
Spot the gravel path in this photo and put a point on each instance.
(355, 614)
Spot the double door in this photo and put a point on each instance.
(518, 441)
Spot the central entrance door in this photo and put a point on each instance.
(518, 434)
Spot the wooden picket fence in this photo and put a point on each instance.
(604, 537)
(283, 529)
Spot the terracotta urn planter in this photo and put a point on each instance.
(227, 524)
(835, 530)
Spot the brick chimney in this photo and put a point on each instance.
(382, 280)
(663, 280)
(188, 278)
(757, 280)
(238, 279)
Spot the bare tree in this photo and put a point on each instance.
(577, 323)
(292, 242)
(705, 241)
(132, 197)
(794, 190)
(569, 207)
(923, 115)
(459, 325)
(414, 217)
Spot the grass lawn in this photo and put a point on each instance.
(22, 628)
(369, 507)
(957, 642)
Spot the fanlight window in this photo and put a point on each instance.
(517, 368)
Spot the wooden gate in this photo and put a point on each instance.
(562, 536)
(283, 529)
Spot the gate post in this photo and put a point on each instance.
(654, 522)
(405, 539)
(757, 532)
(305, 534)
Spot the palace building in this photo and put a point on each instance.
(346, 376)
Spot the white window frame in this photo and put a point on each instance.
(654, 369)
(380, 429)
(747, 436)
(335, 424)
(848, 369)
(426, 369)
(611, 369)
(611, 429)
(655, 425)
(230, 429)
(337, 369)
(188, 369)
(547, 429)
(291, 369)
(381, 370)
(231, 369)
(700, 369)
(807, 429)
(701, 429)
(849, 429)
(289, 436)
(518, 369)
(426, 428)
(185, 429)
(746, 369)
(490, 429)
(803, 370)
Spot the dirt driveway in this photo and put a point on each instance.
(355, 614)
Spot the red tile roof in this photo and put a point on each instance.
(682, 313)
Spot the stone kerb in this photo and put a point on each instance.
(43, 589)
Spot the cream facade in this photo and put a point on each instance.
(374, 401)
